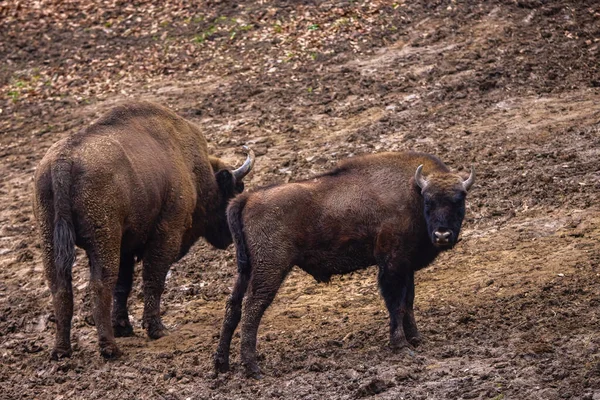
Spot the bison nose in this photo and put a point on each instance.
(442, 236)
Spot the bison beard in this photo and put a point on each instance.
(137, 184)
(372, 210)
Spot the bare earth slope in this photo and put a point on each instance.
(511, 87)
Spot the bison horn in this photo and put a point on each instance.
(419, 177)
(470, 180)
(242, 171)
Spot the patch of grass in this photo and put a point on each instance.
(313, 27)
(203, 36)
(14, 95)
(225, 24)
(277, 28)
(46, 129)
(289, 57)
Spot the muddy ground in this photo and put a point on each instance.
(511, 87)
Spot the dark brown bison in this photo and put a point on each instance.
(138, 184)
(395, 210)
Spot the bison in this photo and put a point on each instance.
(138, 184)
(395, 210)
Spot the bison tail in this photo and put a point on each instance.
(64, 231)
(236, 226)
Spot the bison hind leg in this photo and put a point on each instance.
(120, 315)
(264, 284)
(233, 314)
(62, 294)
(104, 256)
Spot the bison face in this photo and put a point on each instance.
(218, 234)
(443, 205)
(230, 184)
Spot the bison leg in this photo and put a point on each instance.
(233, 314)
(409, 323)
(120, 316)
(394, 288)
(104, 268)
(62, 300)
(262, 291)
(162, 253)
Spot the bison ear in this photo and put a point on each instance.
(226, 182)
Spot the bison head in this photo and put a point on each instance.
(444, 205)
(230, 185)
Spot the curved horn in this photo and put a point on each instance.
(419, 177)
(246, 167)
(470, 180)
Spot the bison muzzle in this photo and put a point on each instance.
(394, 210)
(138, 184)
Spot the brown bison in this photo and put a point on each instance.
(138, 184)
(396, 210)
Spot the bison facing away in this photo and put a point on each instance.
(137, 184)
(395, 210)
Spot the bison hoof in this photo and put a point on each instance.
(221, 364)
(123, 329)
(157, 331)
(58, 354)
(110, 351)
(416, 340)
(252, 371)
(398, 345)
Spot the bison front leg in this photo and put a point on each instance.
(395, 288)
(120, 316)
(264, 284)
(410, 325)
(396, 282)
(162, 252)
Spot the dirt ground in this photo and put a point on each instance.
(511, 87)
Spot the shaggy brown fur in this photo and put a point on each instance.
(370, 210)
(137, 184)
